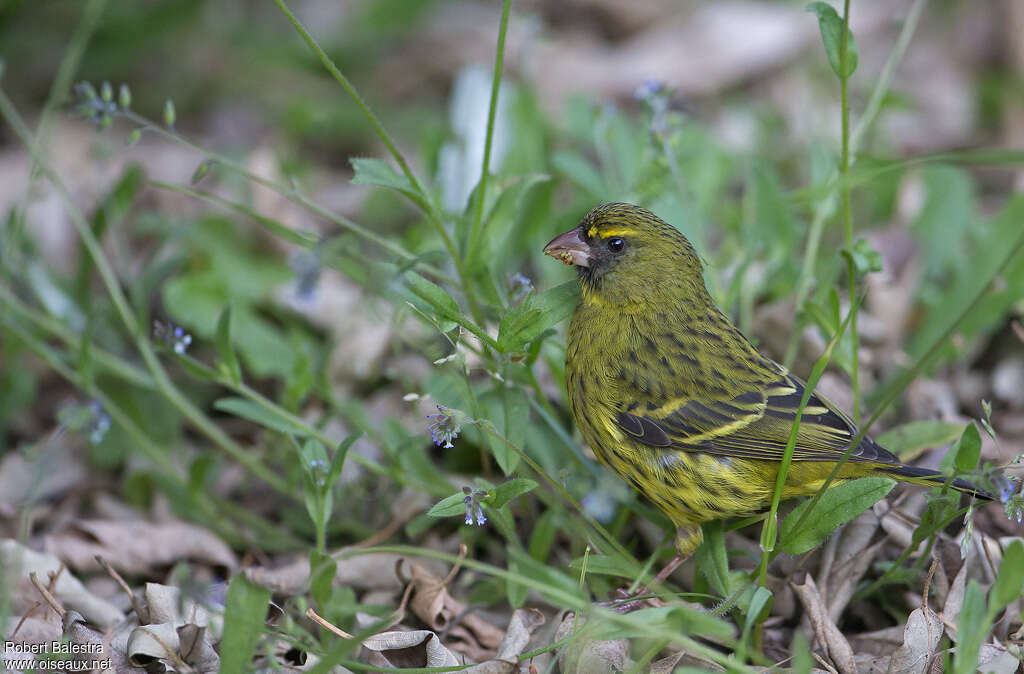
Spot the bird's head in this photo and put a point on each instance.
(627, 255)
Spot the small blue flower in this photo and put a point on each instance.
(1005, 487)
(97, 109)
(100, 423)
(182, 340)
(318, 469)
(473, 506)
(649, 88)
(519, 287)
(173, 335)
(306, 267)
(445, 426)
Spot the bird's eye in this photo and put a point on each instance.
(616, 244)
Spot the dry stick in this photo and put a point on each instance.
(28, 613)
(928, 582)
(463, 551)
(326, 624)
(112, 572)
(54, 603)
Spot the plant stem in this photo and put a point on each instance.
(824, 207)
(347, 86)
(844, 191)
(770, 528)
(923, 362)
(481, 190)
(68, 67)
(138, 335)
(426, 202)
(206, 503)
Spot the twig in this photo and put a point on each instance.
(54, 603)
(112, 572)
(928, 582)
(326, 624)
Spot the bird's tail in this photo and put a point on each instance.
(928, 477)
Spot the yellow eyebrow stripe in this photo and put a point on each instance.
(622, 231)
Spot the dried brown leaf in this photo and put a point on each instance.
(17, 562)
(826, 632)
(137, 547)
(418, 648)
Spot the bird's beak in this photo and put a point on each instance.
(570, 248)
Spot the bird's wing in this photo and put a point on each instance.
(753, 425)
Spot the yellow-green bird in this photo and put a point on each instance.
(673, 398)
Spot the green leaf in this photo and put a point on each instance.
(865, 258)
(515, 592)
(606, 565)
(245, 612)
(449, 506)
(580, 171)
(542, 538)
(321, 574)
(908, 440)
(760, 603)
(831, 36)
(202, 170)
(533, 569)
(941, 508)
(972, 628)
(838, 505)
(246, 409)
(712, 559)
(227, 354)
(196, 369)
(504, 493)
(1010, 580)
(338, 462)
(372, 171)
(536, 314)
(508, 409)
(968, 449)
(432, 298)
(676, 619)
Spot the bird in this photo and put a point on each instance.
(675, 400)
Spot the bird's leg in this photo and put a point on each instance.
(667, 570)
(688, 538)
(627, 602)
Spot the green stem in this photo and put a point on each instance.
(867, 119)
(922, 363)
(128, 372)
(351, 90)
(426, 202)
(307, 240)
(210, 506)
(556, 592)
(539, 470)
(860, 594)
(770, 528)
(68, 67)
(138, 335)
(430, 208)
(844, 191)
(481, 191)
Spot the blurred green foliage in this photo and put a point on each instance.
(485, 316)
